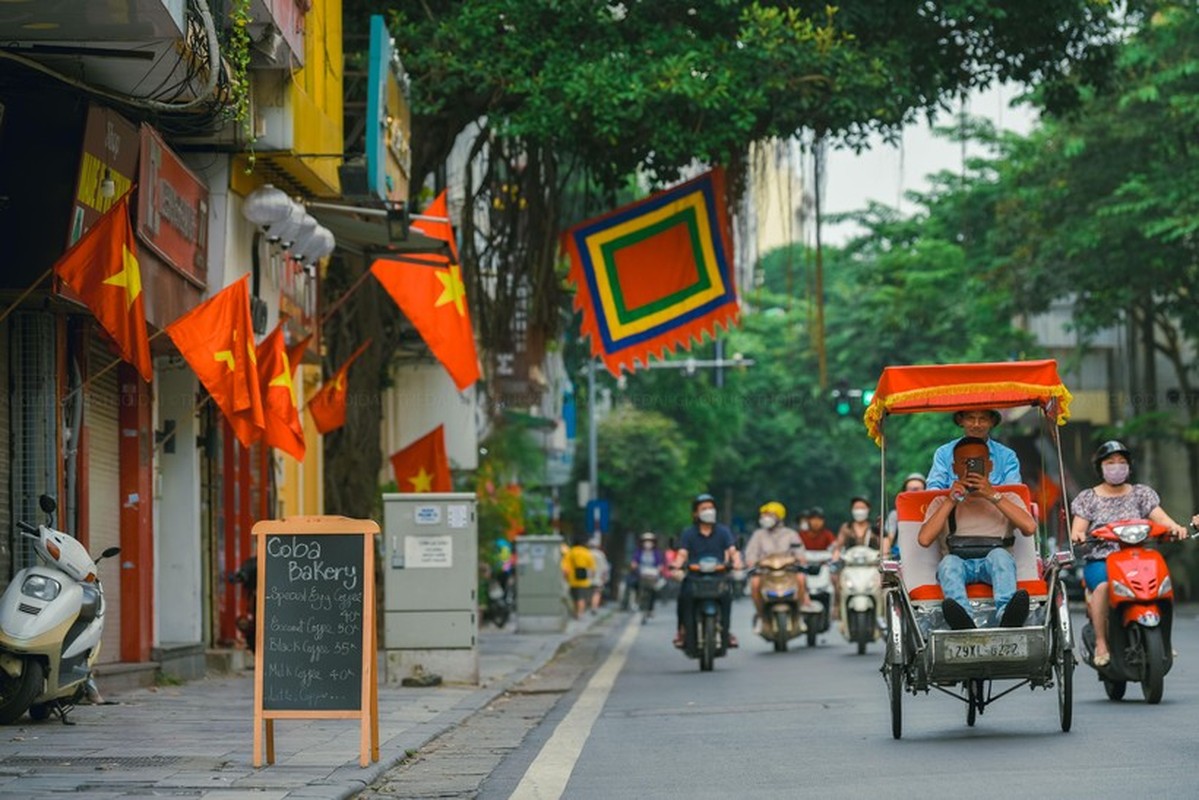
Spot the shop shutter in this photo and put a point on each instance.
(103, 485)
(32, 426)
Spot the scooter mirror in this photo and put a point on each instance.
(109, 552)
(47, 504)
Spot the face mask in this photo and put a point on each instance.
(860, 514)
(647, 545)
(708, 516)
(1115, 473)
(767, 521)
(803, 526)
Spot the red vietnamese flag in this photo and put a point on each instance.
(434, 299)
(282, 427)
(102, 269)
(328, 405)
(216, 338)
(422, 466)
(439, 230)
(295, 353)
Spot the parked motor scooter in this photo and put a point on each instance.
(1141, 612)
(818, 569)
(706, 638)
(861, 596)
(781, 619)
(51, 619)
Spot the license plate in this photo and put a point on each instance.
(986, 648)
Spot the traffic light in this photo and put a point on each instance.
(842, 402)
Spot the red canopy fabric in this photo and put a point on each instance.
(953, 387)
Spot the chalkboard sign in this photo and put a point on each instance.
(312, 619)
(316, 644)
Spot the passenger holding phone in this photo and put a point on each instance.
(976, 526)
(978, 422)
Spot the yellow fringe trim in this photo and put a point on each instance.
(881, 406)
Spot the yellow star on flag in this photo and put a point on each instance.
(421, 481)
(284, 377)
(454, 290)
(129, 278)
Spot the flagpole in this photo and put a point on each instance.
(108, 368)
(25, 294)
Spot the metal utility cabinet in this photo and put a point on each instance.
(541, 598)
(430, 582)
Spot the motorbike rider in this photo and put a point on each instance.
(976, 422)
(914, 482)
(646, 561)
(1112, 499)
(773, 537)
(859, 530)
(818, 536)
(975, 526)
(704, 538)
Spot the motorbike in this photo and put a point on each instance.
(1141, 612)
(861, 596)
(51, 619)
(705, 637)
(499, 604)
(781, 618)
(818, 569)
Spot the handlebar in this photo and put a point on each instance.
(25, 526)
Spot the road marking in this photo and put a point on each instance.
(547, 776)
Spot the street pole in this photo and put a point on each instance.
(592, 438)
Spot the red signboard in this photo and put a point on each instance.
(172, 214)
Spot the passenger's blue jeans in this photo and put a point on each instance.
(997, 569)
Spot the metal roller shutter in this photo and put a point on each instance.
(104, 488)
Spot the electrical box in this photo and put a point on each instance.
(542, 601)
(430, 585)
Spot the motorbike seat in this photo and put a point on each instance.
(918, 565)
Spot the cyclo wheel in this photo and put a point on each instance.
(1063, 662)
(973, 688)
(707, 652)
(891, 671)
(1155, 665)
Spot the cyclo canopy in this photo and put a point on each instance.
(957, 387)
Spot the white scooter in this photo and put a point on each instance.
(861, 596)
(820, 588)
(51, 618)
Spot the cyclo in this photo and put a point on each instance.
(922, 653)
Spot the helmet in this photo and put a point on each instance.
(774, 507)
(702, 498)
(648, 536)
(996, 418)
(915, 476)
(1106, 449)
(816, 511)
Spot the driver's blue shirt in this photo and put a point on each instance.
(699, 547)
(1005, 466)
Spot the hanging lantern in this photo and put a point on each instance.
(267, 206)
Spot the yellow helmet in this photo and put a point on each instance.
(774, 507)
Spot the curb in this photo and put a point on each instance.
(351, 779)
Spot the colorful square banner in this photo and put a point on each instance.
(655, 274)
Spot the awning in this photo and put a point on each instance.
(366, 230)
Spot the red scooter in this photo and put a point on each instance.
(1141, 601)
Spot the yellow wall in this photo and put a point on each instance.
(300, 490)
(315, 97)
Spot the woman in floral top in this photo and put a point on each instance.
(1112, 499)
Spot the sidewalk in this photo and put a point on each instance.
(196, 740)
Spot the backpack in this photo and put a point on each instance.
(580, 572)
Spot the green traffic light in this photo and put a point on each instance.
(867, 396)
(843, 408)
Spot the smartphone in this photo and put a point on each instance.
(974, 466)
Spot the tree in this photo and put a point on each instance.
(558, 103)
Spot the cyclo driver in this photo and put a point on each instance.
(705, 538)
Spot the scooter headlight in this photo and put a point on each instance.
(41, 587)
(1121, 589)
(1166, 586)
(1131, 534)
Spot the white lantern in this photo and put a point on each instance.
(324, 246)
(304, 233)
(266, 206)
(285, 232)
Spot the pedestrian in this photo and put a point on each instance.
(600, 575)
(578, 564)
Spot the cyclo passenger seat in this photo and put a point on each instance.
(918, 565)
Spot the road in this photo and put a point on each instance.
(809, 722)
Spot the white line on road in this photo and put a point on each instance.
(547, 776)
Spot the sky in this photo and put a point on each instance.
(885, 172)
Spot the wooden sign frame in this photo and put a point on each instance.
(368, 713)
